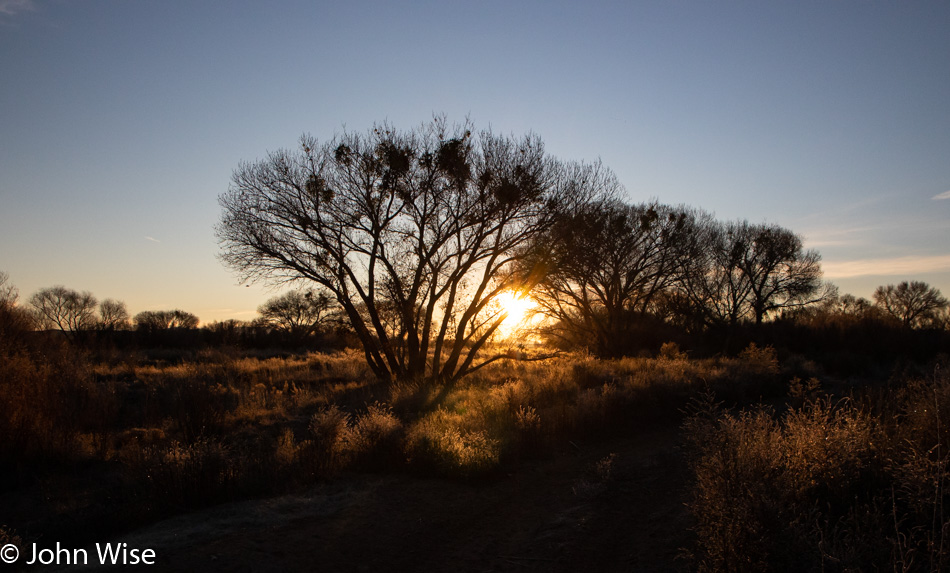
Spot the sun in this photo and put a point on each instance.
(518, 309)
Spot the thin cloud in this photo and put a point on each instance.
(895, 266)
(838, 211)
(838, 237)
(153, 239)
(14, 7)
(944, 195)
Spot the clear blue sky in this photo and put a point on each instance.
(122, 120)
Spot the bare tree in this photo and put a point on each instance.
(714, 287)
(850, 305)
(607, 264)
(8, 292)
(780, 273)
(15, 321)
(69, 311)
(113, 315)
(746, 272)
(414, 233)
(297, 312)
(157, 320)
(915, 304)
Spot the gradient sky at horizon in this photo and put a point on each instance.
(122, 120)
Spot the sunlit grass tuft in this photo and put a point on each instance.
(840, 484)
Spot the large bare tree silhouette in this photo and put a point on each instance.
(414, 233)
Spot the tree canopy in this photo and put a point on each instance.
(296, 312)
(413, 232)
(915, 304)
(605, 265)
(158, 320)
(745, 271)
(65, 309)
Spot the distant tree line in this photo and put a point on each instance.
(610, 270)
(619, 279)
(595, 307)
(297, 319)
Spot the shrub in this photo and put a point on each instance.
(671, 351)
(738, 514)
(375, 438)
(201, 406)
(49, 400)
(762, 360)
(327, 450)
(437, 443)
(467, 436)
(177, 475)
(837, 485)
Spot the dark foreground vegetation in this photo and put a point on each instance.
(793, 464)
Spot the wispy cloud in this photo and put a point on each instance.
(944, 195)
(837, 211)
(839, 237)
(894, 266)
(153, 239)
(14, 7)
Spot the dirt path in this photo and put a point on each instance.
(554, 515)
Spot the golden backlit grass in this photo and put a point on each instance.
(218, 427)
(847, 484)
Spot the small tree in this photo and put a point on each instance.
(158, 320)
(915, 304)
(606, 265)
(714, 290)
(15, 321)
(69, 311)
(298, 313)
(850, 305)
(746, 272)
(414, 233)
(780, 273)
(113, 315)
(8, 292)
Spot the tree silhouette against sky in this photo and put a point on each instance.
(415, 233)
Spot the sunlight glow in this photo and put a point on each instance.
(519, 309)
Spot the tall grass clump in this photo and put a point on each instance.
(325, 452)
(336, 440)
(375, 438)
(831, 485)
(921, 470)
(464, 437)
(52, 407)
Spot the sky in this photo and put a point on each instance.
(121, 121)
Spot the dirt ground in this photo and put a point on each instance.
(575, 512)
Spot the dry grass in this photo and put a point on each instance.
(830, 483)
(60, 406)
(841, 485)
(517, 409)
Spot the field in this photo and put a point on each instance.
(746, 463)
